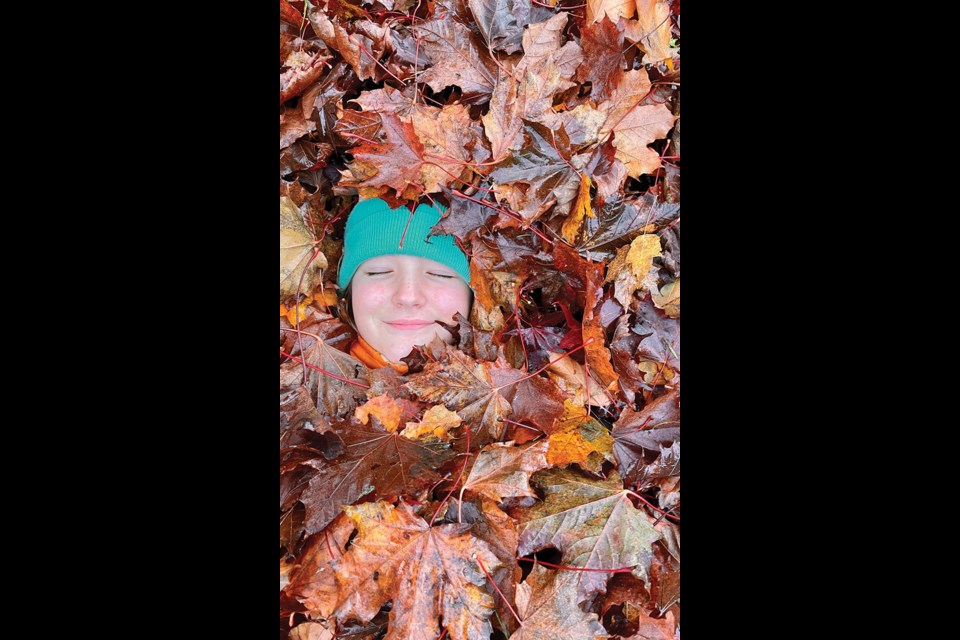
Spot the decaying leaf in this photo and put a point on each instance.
(430, 573)
(548, 605)
(296, 249)
(593, 522)
(374, 462)
(503, 470)
(437, 422)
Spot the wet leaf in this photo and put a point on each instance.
(502, 470)
(475, 390)
(374, 461)
(654, 426)
(296, 249)
(547, 603)
(593, 523)
(455, 57)
(430, 573)
(501, 22)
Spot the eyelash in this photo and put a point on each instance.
(380, 273)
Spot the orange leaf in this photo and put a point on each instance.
(384, 408)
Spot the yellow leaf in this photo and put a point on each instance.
(643, 250)
(668, 299)
(571, 226)
(296, 249)
(436, 422)
(384, 408)
(571, 378)
(579, 438)
(301, 309)
(613, 9)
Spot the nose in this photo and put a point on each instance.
(409, 292)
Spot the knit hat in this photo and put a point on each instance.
(374, 229)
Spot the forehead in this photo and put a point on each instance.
(416, 262)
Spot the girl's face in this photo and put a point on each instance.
(397, 299)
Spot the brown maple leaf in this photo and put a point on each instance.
(456, 56)
(394, 162)
(335, 395)
(475, 390)
(621, 220)
(542, 39)
(374, 461)
(593, 522)
(655, 426)
(312, 581)
(547, 603)
(428, 572)
(502, 470)
(603, 61)
(539, 175)
(501, 22)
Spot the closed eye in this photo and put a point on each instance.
(377, 273)
(440, 275)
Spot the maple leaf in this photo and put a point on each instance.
(575, 381)
(633, 269)
(666, 465)
(660, 335)
(296, 249)
(436, 422)
(602, 66)
(374, 461)
(294, 126)
(547, 603)
(312, 583)
(613, 9)
(621, 220)
(539, 175)
(462, 218)
(651, 30)
(361, 50)
(384, 407)
(334, 397)
(635, 126)
(668, 298)
(542, 39)
(457, 57)
(537, 401)
(449, 137)
(502, 470)
(475, 390)
(428, 573)
(501, 22)
(355, 126)
(657, 424)
(499, 531)
(593, 523)
(394, 163)
(297, 410)
(579, 438)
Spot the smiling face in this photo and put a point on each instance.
(397, 299)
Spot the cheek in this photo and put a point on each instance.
(447, 301)
(367, 299)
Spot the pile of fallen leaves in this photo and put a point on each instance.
(523, 482)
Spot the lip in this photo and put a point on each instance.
(409, 325)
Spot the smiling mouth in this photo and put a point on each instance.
(409, 325)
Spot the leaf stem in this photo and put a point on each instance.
(494, 584)
(324, 371)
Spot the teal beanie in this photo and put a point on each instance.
(374, 229)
